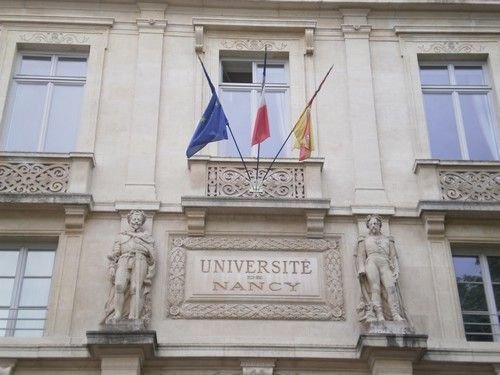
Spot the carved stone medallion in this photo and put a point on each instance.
(230, 277)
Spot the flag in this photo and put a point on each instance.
(303, 128)
(303, 135)
(261, 127)
(212, 126)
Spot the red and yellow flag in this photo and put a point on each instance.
(303, 135)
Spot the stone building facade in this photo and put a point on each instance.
(118, 255)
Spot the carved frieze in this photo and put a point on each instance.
(224, 181)
(33, 177)
(230, 277)
(450, 47)
(54, 37)
(252, 44)
(479, 186)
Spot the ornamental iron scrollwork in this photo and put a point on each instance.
(33, 177)
(481, 186)
(282, 183)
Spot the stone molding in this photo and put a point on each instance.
(54, 37)
(178, 308)
(252, 44)
(446, 29)
(74, 218)
(450, 46)
(258, 366)
(60, 20)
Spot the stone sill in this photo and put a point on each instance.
(464, 209)
(46, 199)
(465, 164)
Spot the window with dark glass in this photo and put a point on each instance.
(44, 103)
(25, 278)
(458, 109)
(478, 283)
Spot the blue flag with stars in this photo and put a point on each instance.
(212, 126)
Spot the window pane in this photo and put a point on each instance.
(71, 67)
(64, 118)
(39, 263)
(478, 128)
(434, 75)
(26, 117)
(237, 71)
(35, 65)
(34, 314)
(35, 292)
(467, 269)
(442, 127)
(29, 324)
(6, 286)
(237, 108)
(4, 315)
(494, 266)
(472, 297)
(469, 75)
(8, 263)
(275, 73)
(477, 327)
(278, 122)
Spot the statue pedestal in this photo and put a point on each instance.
(124, 326)
(121, 351)
(386, 327)
(390, 353)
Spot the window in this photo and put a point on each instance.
(240, 91)
(458, 111)
(44, 103)
(25, 275)
(478, 282)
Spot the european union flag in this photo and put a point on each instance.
(212, 126)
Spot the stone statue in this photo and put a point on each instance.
(131, 268)
(378, 273)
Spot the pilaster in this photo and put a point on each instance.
(140, 183)
(369, 188)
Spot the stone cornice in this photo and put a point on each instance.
(231, 23)
(58, 20)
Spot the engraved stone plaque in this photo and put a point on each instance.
(229, 277)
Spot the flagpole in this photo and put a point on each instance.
(212, 88)
(239, 153)
(262, 94)
(309, 103)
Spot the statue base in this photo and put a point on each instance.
(384, 327)
(123, 325)
(114, 342)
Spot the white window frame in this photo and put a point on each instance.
(454, 89)
(493, 310)
(254, 89)
(23, 250)
(50, 80)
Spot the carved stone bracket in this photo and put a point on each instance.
(329, 307)
(309, 39)
(196, 221)
(198, 38)
(315, 224)
(434, 224)
(74, 218)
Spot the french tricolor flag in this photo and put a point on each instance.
(261, 127)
